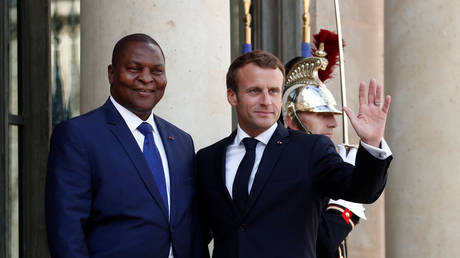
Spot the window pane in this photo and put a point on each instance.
(65, 59)
(12, 209)
(13, 57)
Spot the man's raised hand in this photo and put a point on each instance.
(370, 121)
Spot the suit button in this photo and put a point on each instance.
(243, 227)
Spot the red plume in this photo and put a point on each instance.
(331, 47)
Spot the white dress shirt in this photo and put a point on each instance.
(235, 153)
(133, 121)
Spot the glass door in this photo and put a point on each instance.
(14, 133)
(25, 125)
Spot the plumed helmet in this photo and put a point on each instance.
(304, 91)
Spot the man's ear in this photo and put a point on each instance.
(289, 123)
(232, 97)
(110, 73)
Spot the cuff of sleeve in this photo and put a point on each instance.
(345, 213)
(357, 208)
(380, 153)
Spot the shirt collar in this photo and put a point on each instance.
(131, 119)
(263, 137)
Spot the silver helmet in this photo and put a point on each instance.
(304, 91)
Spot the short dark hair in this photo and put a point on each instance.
(137, 37)
(261, 58)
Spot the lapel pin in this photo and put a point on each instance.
(279, 142)
(171, 137)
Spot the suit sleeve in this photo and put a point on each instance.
(200, 236)
(206, 229)
(331, 232)
(68, 194)
(337, 179)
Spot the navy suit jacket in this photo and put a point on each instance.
(296, 176)
(101, 198)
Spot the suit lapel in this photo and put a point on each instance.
(121, 131)
(272, 152)
(167, 138)
(223, 155)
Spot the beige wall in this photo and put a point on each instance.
(362, 27)
(421, 70)
(195, 37)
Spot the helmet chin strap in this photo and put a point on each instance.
(292, 113)
(299, 123)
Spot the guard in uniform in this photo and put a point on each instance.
(310, 107)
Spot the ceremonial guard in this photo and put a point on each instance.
(310, 107)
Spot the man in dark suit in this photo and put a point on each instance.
(309, 107)
(121, 180)
(264, 187)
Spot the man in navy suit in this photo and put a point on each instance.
(309, 107)
(263, 188)
(121, 180)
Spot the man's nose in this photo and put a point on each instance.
(266, 99)
(145, 76)
(332, 122)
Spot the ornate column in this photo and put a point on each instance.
(195, 37)
(421, 73)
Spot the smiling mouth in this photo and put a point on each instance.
(144, 92)
(264, 113)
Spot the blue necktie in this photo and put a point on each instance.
(153, 158)
(241, 183)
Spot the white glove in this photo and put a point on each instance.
(357, 208)
(347, 157)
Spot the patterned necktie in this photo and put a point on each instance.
(153, 158)
(240, 185)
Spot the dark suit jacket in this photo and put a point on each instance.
(101, 198)
(295, 178)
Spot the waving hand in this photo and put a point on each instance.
(370, 121)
